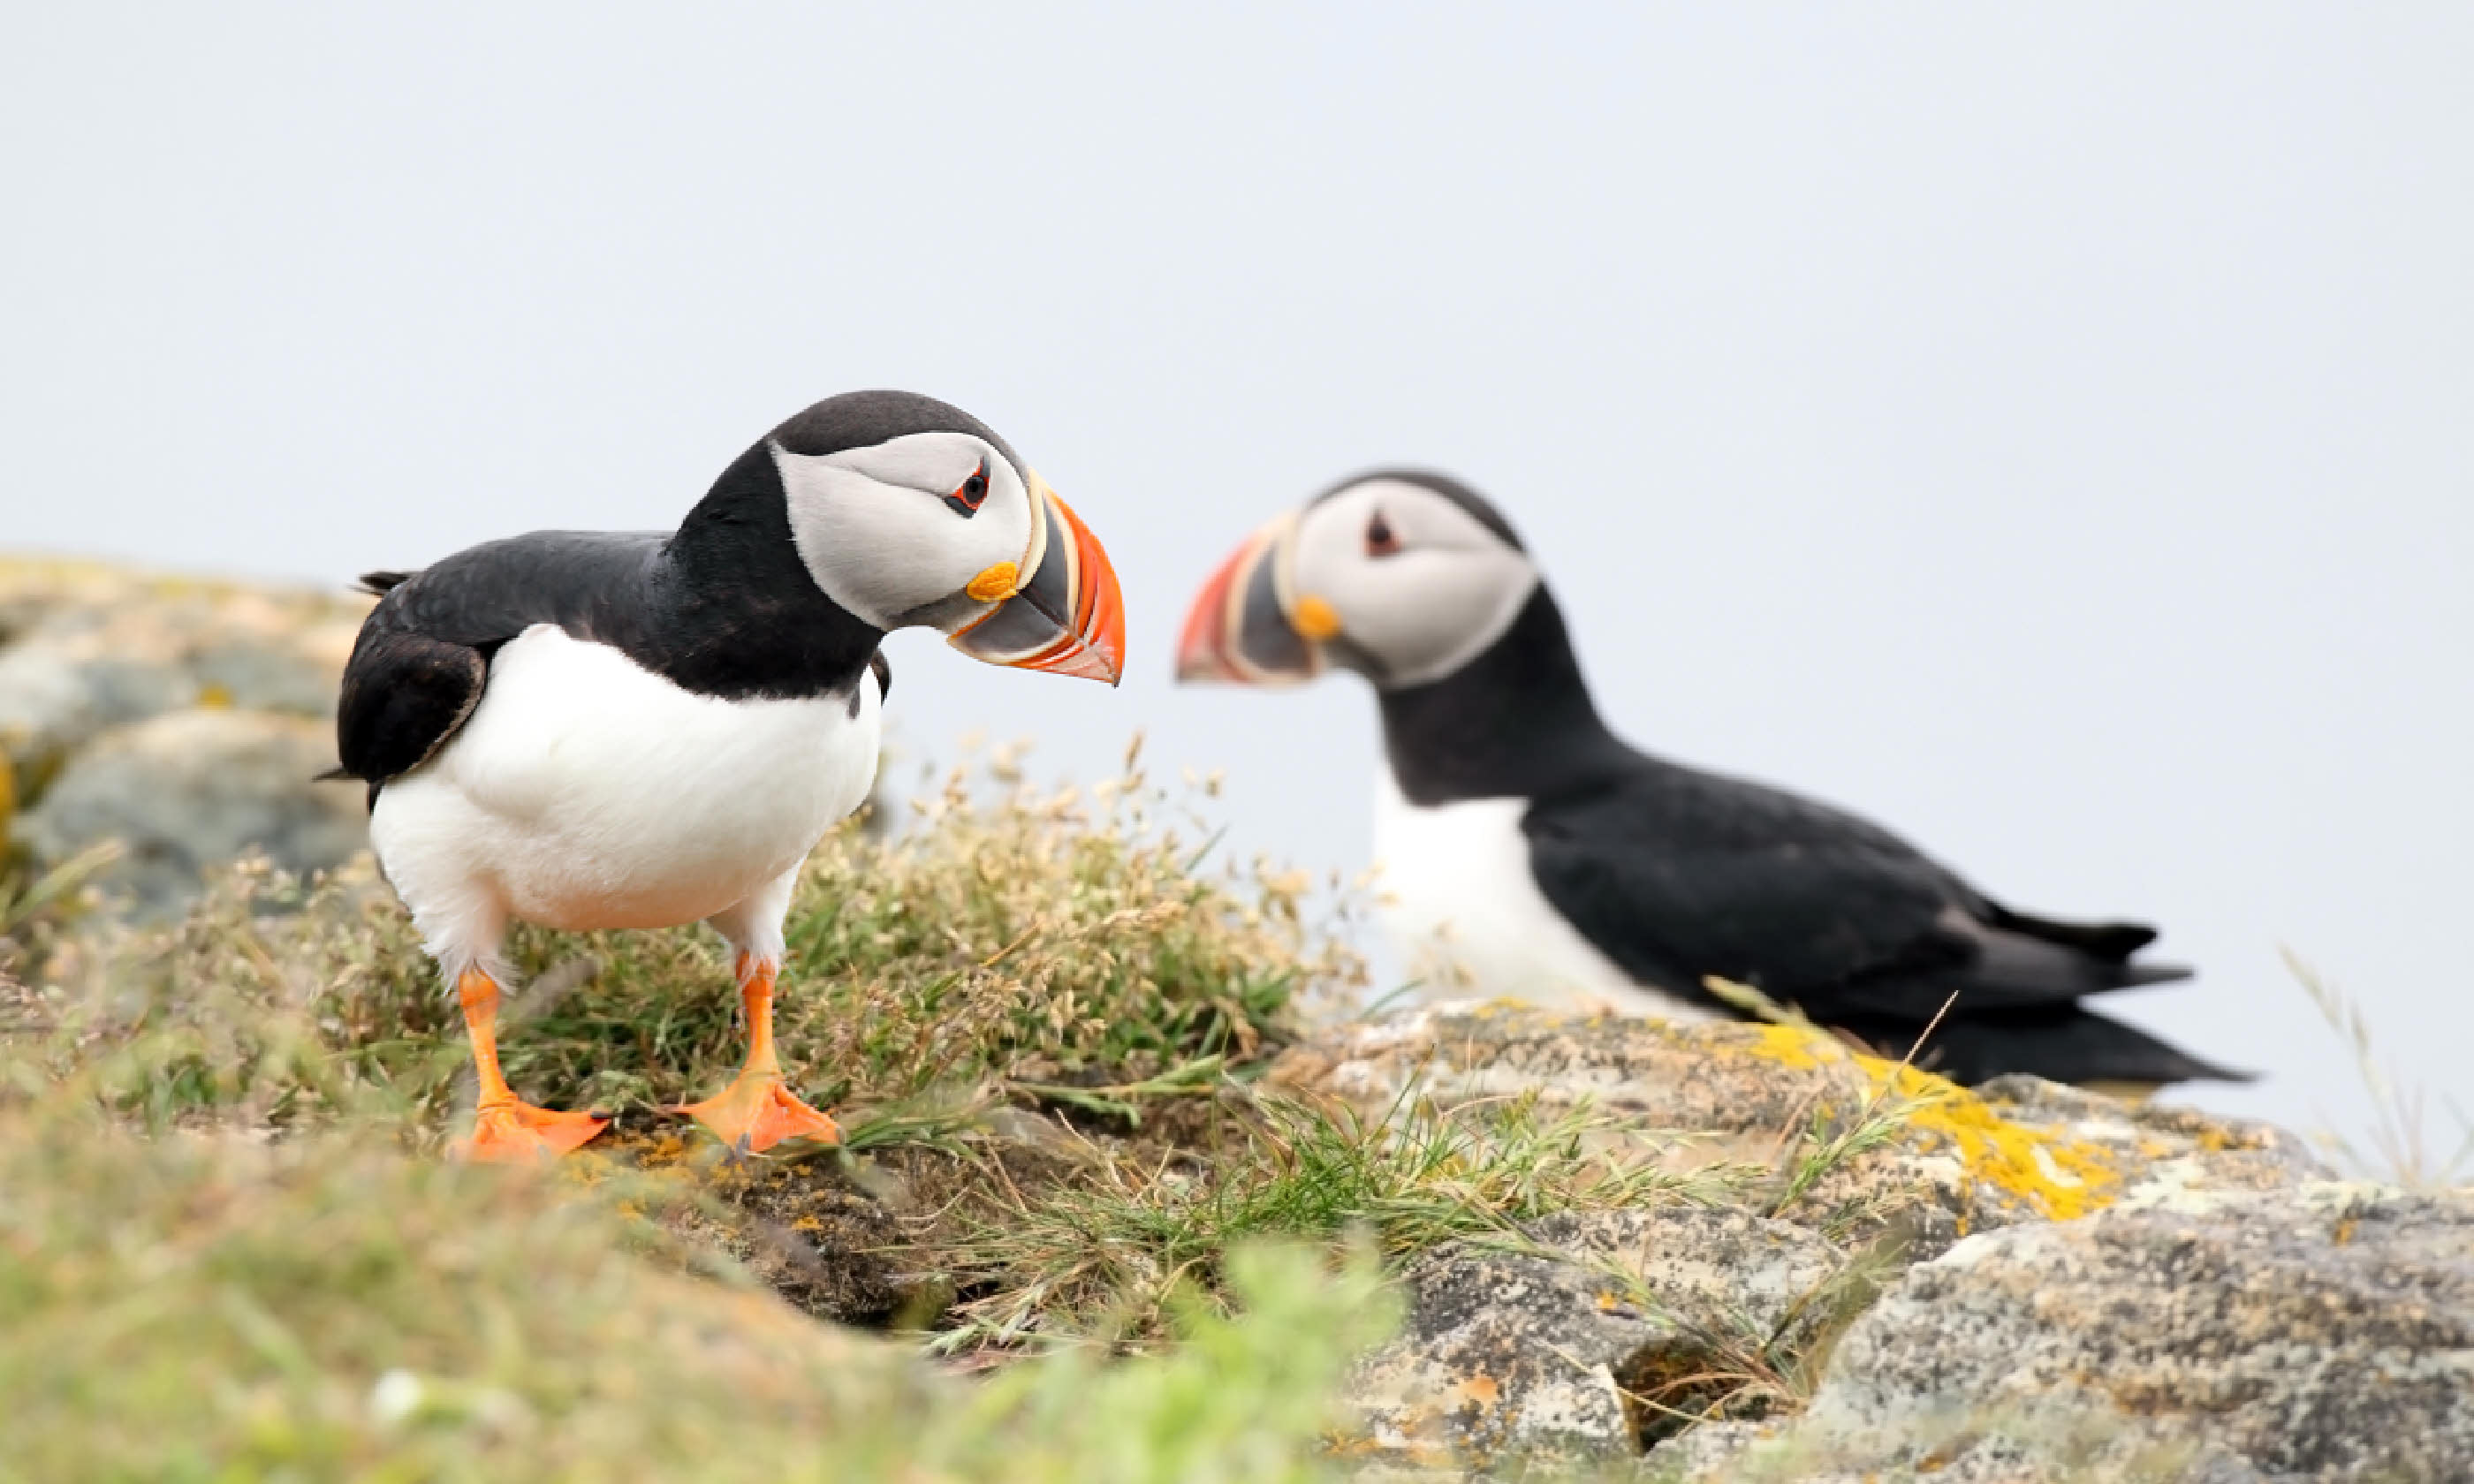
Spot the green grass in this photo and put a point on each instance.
(1043, 1018)
(230, 1252)
(1043, 943)
(1114, 1243)
(207, 1308)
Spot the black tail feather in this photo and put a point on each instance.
(2114, 941)
(380, 584)
(2068, 1045)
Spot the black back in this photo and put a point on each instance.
(1676, 874)
(722, 606)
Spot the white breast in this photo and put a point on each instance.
(587, 792)
(1465, 914)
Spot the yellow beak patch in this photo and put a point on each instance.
(995, 584)
(1315, 618)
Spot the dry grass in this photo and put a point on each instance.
(1039, 945)
(2402, 1147)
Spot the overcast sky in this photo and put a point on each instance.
(2048, 430)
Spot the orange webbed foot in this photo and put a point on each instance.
(520, 1134)
(758, 1110)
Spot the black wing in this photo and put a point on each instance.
(422, 657)
(1677, 875)
(404, 695)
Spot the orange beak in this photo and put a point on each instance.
(1240, 629)
(1069, 617)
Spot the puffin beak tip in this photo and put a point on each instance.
(1068, 616)
(1237, 631)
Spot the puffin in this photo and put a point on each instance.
(1527, 851)
(591, 729)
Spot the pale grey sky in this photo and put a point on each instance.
(2048, 430)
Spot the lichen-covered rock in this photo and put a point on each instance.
(91, 654)
(1728, 1090)
(1774, 1453)
(2323, 1332)
(1505, 1357)
(191, 789)
(1545, 1353)
(86, 647)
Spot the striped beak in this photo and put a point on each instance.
(1069, 616)
(1240, 629)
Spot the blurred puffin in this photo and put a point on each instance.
(1527, 851)
(594, 730)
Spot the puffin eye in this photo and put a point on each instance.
(1380, 542)
(969, 495)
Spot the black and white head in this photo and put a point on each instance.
(908, 512)
(1401, 576)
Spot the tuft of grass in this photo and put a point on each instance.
(35, 905)
(1821, 1143)
(1101, 1255)
(1051, 946)
(1739, 1371)
(2402, 1150)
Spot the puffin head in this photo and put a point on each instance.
(1399, 575)
(911, 512)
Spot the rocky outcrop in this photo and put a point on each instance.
(2322, 1332)
(196, 788)
(1855, 1271)
(183, 718)
(1711, 1093)
(1907, 1280)
(1552, 1351)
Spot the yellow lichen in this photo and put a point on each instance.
(2057, 1176)
(1793, 1045)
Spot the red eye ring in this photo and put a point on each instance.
(971, 493)
(1380, 539)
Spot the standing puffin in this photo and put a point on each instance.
(1529, 852)
(594, 730)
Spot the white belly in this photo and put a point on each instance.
(1461, 905)
(587, 792)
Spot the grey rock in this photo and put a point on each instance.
(1544, 1355)
(1699, 1093)
(191, 789)
(86, 648)
(2324, 1332)
(91, 656)
(1718, 1272)
(1504, 1357)
(1775, 1454)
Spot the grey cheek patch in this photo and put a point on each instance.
(1042, 609)
(945, 614)
(1265, 636)
(1355, 657)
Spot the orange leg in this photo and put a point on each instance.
(504, 1129)
(757, 1109)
